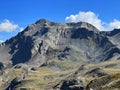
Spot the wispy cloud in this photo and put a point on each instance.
(1, 41)
(114, 24)
(8, 29)
(8, 26)
(93, 19)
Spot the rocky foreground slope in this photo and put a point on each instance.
(61, 56)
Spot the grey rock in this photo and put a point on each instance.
(45, 40)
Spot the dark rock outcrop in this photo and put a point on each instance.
(12, 84)
(71, 85)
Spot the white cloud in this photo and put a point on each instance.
(115, 24)
(8, 26)
(1, 41)
(93, 19)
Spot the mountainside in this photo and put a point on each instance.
(45, 40)
(61, 56)
(114, 36)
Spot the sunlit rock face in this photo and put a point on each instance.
(45, 40)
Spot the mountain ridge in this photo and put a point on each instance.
(37, 39)
(61, 56)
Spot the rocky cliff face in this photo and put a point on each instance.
(45, 40)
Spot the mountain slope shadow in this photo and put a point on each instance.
(20, 49)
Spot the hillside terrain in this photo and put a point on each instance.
(61, 56)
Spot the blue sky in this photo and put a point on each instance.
(17, 14)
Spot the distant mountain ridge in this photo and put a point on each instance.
(44, 41)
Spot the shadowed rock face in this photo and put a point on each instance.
(114, 36)
(45, 40)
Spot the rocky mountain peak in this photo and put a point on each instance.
(59, 56)
(41, 21)
(44, 22)
(83, 25)
(45, 41)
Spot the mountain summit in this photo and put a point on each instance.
(45, 41)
